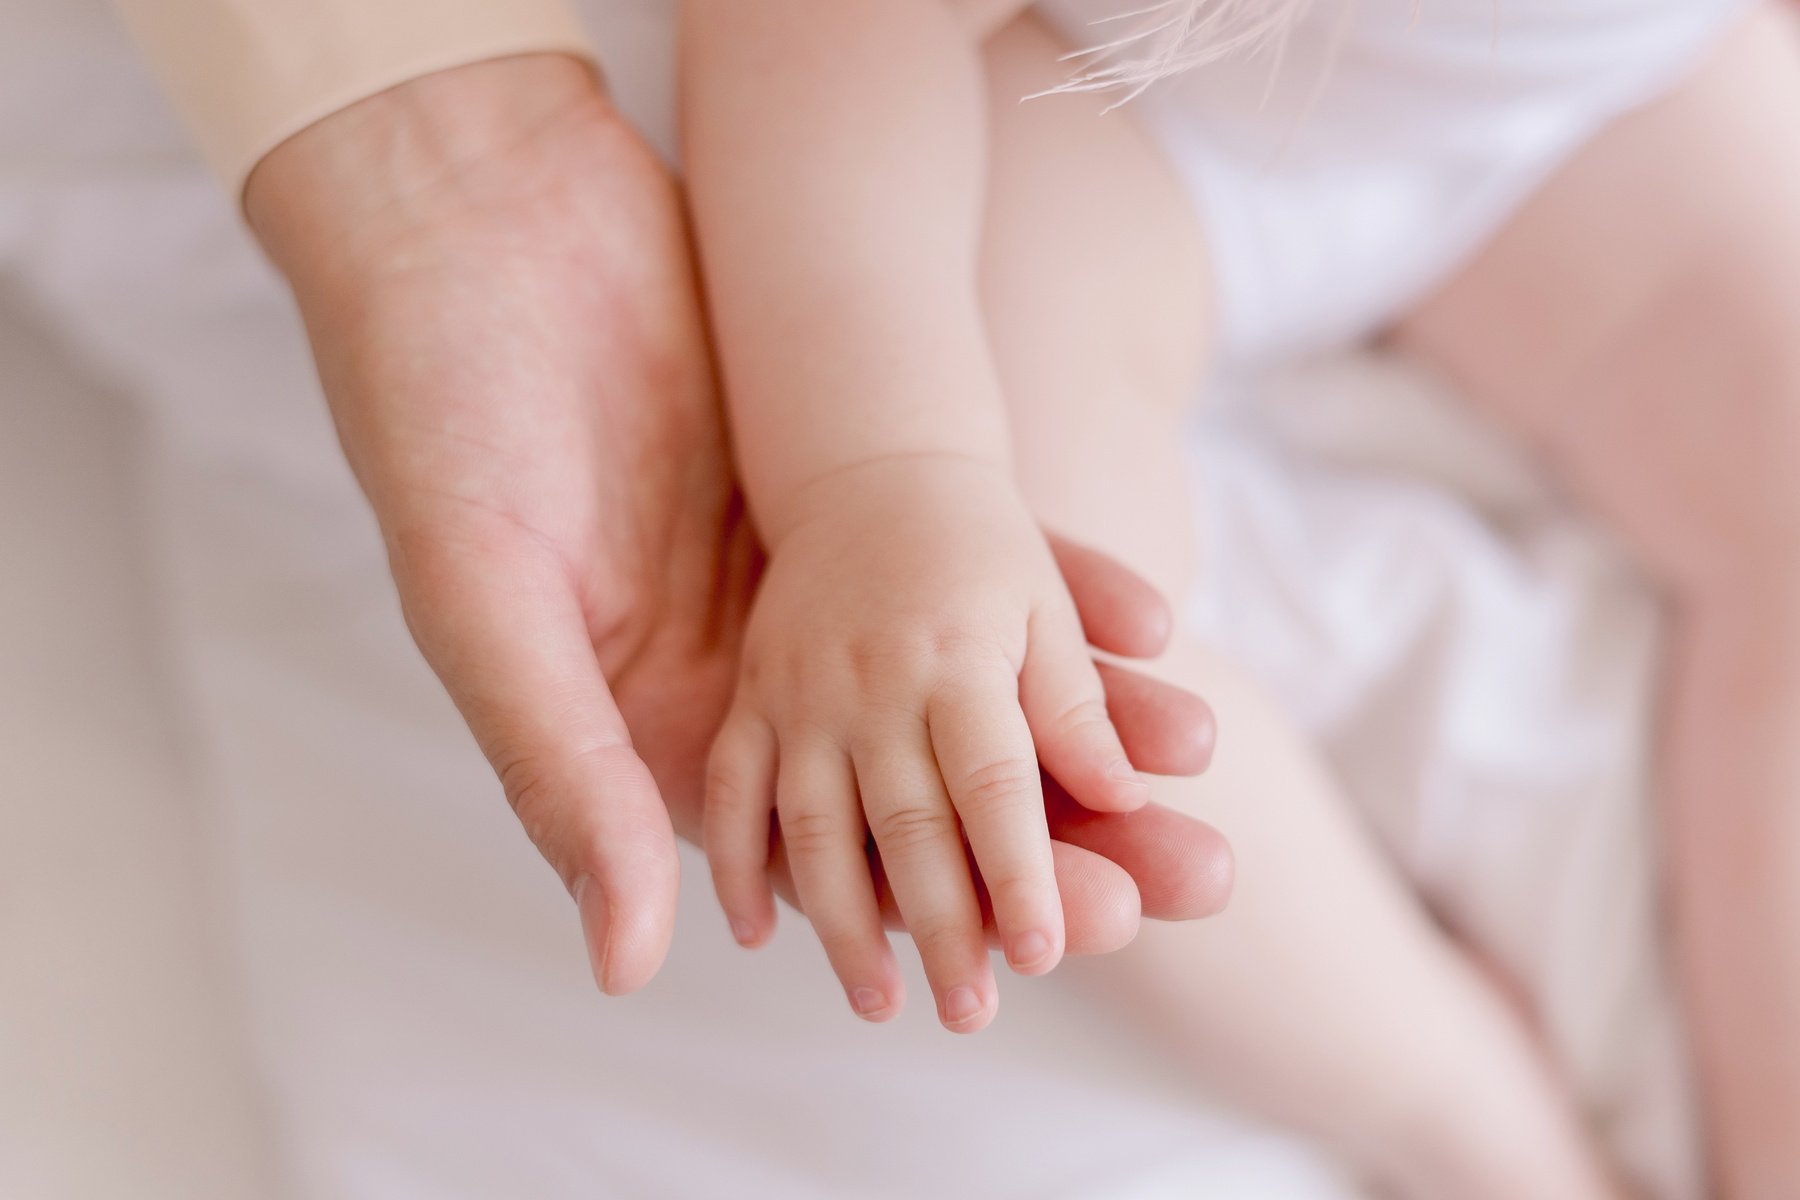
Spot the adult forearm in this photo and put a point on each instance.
(835, 153)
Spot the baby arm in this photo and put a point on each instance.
(912, 644)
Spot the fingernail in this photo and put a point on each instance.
(961, 1006)
(590, 902)
(1029, 950)
(744, 932)
(868, 1002)
(1122, 771)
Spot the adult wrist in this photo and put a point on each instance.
(405, 156)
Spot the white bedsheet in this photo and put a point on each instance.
(265, 929)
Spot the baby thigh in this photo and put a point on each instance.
(1638, 322)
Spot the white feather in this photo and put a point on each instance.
(1172, 36)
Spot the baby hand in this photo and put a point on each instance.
(911, 658)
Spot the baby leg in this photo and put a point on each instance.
(1324, 997)
(1638, 322)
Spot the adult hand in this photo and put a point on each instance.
(495, 275)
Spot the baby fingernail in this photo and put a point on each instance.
(744, 932)
(868, 1002)
(1029, 950)
(961, 1006)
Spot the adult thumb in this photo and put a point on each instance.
(508, 639)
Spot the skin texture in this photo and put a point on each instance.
(494, 273)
